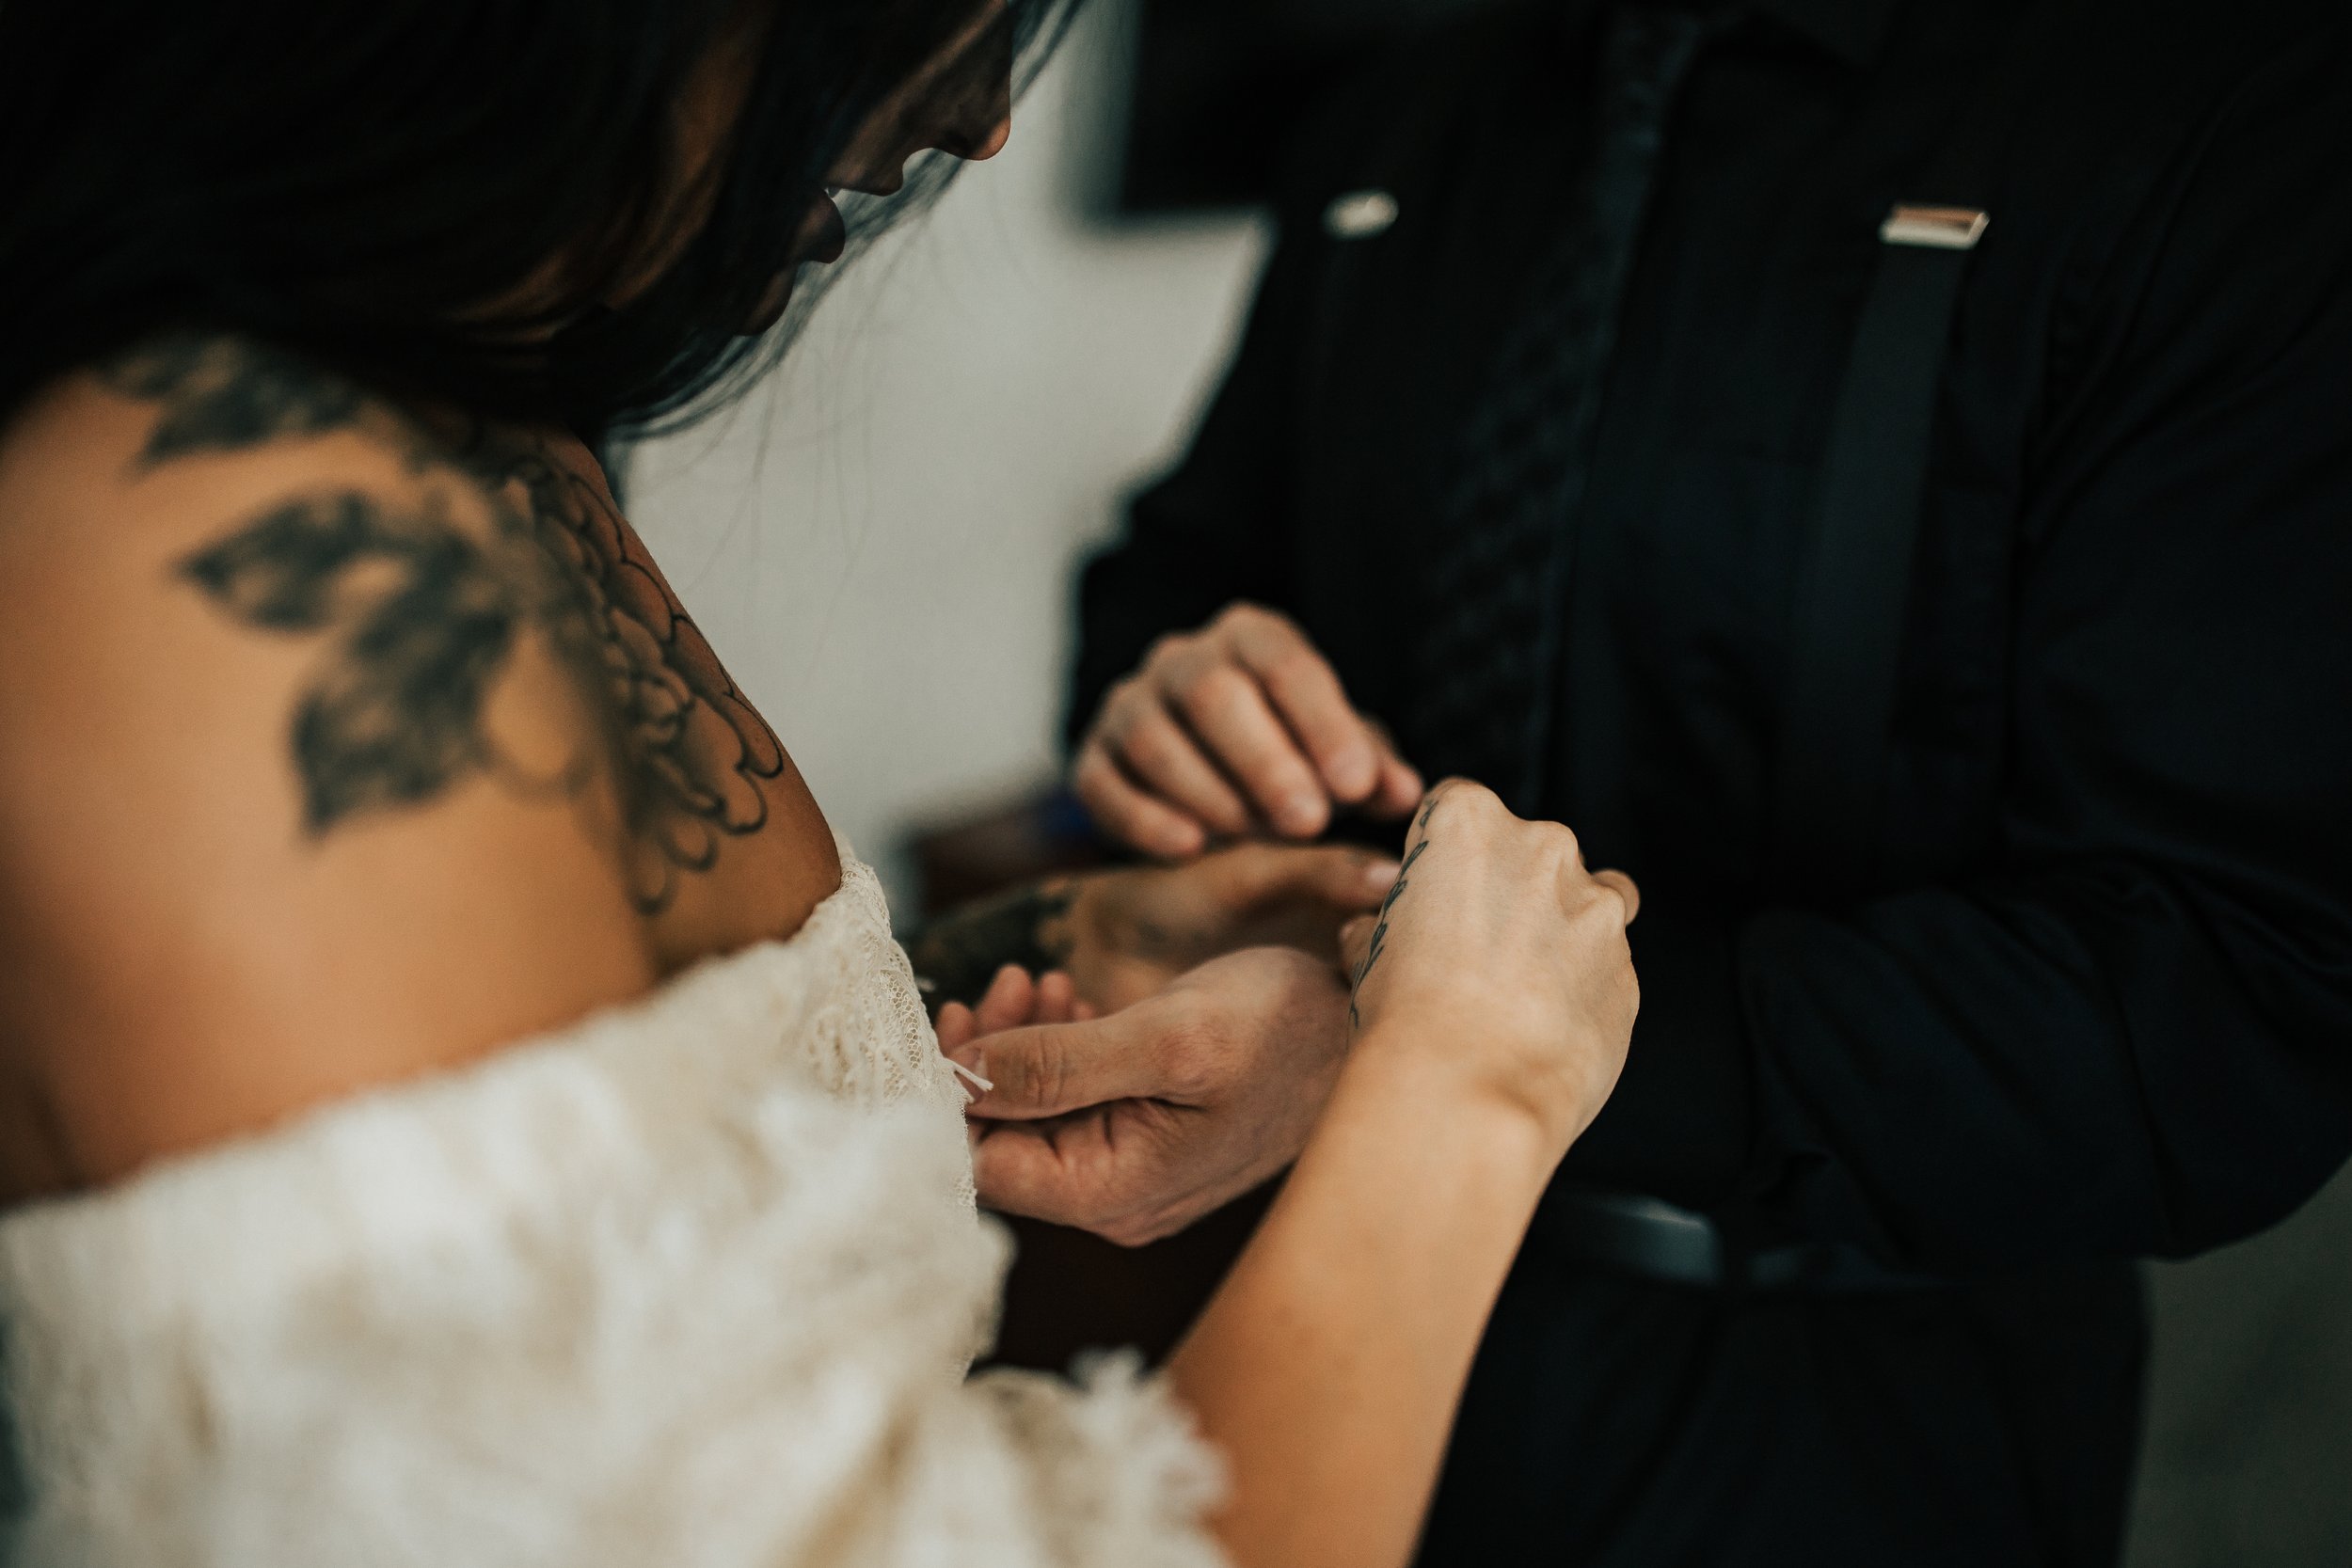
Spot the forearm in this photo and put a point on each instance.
(1329, 1367)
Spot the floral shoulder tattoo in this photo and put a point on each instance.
(417, 617)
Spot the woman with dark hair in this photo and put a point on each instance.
(458, 1102)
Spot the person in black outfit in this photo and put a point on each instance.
(1529, 442)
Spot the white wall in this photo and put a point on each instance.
(880, 542)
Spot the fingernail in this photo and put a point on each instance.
(1382, 875)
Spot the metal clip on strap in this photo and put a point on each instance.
(1857, 586)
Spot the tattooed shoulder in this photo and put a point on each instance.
(212, 393)
(412, 597)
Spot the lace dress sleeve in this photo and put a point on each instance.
(612, 1300)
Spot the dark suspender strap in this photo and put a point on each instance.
(1856, 586)
(1836, 736)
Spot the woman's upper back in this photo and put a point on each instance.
(343, 747)
(691, 1282)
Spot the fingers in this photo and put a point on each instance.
(1065, 1173)
(1056, 999)
(1052, 1070)
(1343, 875)
(1400, 788)
(1012, 999)
(1355, 942)
(1349, 880)
(1162, 754)
(1009, 1000)
(1230, 711)
(1242, 721)
(1623, 886)
(1019, 1172)
(1307, 696)
(1131, 815)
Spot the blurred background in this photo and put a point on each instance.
(881, 543)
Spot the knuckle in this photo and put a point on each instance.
(1216, 692)
(1243, 615)
(1094, 773)
(1487, 803)
(1028, 1076)
(1052, 1077)
(1297, 668)
(1169, 660)
(1120, 706)
(1151, 745)
(1559, 840)
(1014, 1074)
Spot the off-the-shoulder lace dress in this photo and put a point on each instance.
(694, 1284)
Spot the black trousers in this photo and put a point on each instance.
(1613, 1423)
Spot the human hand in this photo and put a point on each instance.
(1136, 1124)
(1131, 933)
(1123, 934)
(1499, 964)
(1013, 999)
(1237, 724)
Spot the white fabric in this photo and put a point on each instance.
(694, 1283)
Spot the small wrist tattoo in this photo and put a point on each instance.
(958, 955)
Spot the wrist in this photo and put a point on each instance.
(1396, 1070)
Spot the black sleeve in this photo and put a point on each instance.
(2136, 1038)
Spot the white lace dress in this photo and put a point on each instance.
(694, 1284)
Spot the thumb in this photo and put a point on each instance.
(1050, 1069)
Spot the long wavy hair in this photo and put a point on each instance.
(440, 197)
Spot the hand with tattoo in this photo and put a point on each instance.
(1498, 968)
(1222, 1021)
(1127, 934)
(418, 617)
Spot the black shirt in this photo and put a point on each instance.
(2098, 1004)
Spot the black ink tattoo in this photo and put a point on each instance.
(1379, 943)
(426, 615)
(696, 752)
(958, 955)
(423, 625)
(223, 394)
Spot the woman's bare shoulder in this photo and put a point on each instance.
(301, 793)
